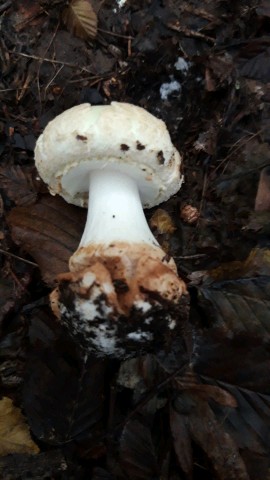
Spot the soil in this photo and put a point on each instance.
(202, 409)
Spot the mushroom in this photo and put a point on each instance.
(122, 294)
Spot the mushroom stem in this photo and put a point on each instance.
(115, 212)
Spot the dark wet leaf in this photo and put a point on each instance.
(243, 305)
(189, 381)
(254, 59)
(63, 393)
(20, 184)
(249, 423)
(220, 448)
(7, 300)
(13, 284)
(235, 347)
(137, 452)
(49, 231)
(181, 441)
(80, 19)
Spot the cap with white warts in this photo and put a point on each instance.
(122, 294)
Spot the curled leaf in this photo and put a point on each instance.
(80, 19)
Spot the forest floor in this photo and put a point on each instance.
(201, 412)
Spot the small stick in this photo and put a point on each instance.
(8, 254)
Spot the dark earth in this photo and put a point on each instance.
(202, 410)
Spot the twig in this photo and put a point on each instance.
(53, 78)
(8, 254)
(40, 63)
(191, 257)
(50, 60)
(203, 193)
(235, 148)
(5, 6)
(127, 37)
(190, 33)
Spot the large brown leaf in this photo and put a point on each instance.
(49, 231)
(63, 392)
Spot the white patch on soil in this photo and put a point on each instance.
(182, 65)
(139, 336)
(167, 88)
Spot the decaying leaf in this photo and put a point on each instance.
(80, 19)
(50, 231)
(63, 393)
(20, 184)
(253, 59)
(233, 345)
(162, 222)
(181, 440)
(221, 449)
(137, 451)
(14, 432)
(13, 284)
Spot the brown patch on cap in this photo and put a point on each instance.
(82, 138)
(124, 147)
(160, 157)
(139, 145)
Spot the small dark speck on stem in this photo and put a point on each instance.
(81, 137)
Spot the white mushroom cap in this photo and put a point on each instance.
(120, 136)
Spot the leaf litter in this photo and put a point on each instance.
(202, 409)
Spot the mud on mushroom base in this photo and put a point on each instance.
(127, 300)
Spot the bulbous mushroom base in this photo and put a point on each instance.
(124, 302)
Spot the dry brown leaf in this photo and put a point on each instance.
(80, 19)
(162, 222)
(14, 432)
(49, 231)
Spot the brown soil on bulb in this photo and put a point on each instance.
(132, 270)
(129, 295)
